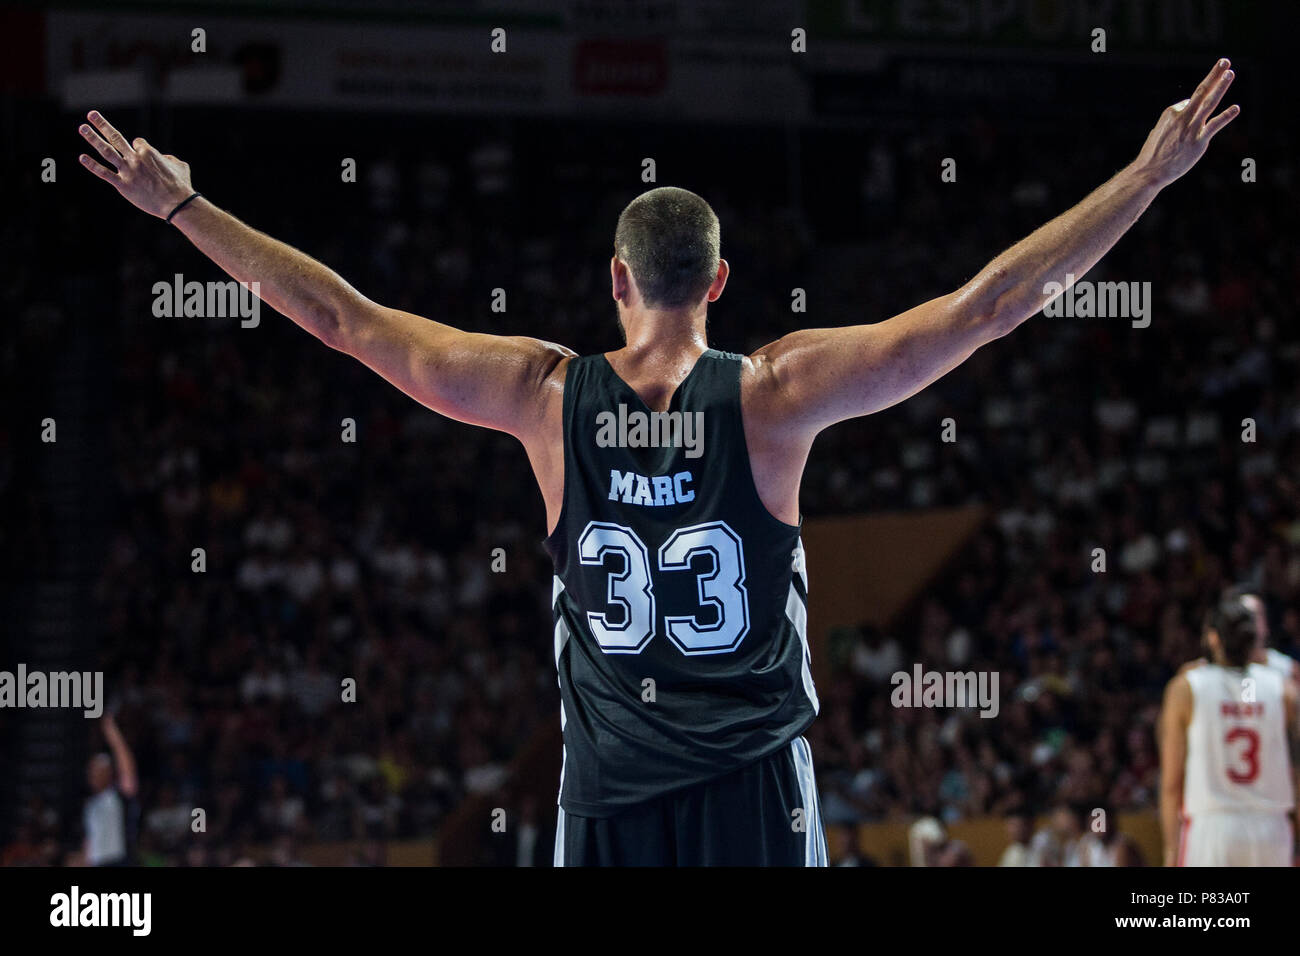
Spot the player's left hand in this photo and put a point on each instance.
(153, 181)
(1184, 130)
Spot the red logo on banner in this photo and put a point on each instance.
(629, 67)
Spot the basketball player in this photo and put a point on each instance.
(679, 592)
(1271, 657)
(1225, 763)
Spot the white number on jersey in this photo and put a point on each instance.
(722, 587)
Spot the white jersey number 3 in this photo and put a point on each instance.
(722, 587)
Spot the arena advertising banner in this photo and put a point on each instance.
(881, 57)
(509, 70)
(620, 16)
(292, 63)
(713, 60)
(1135, 27)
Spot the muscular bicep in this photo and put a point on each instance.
(824, 376)
(495, 381)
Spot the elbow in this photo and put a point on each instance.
(1002, 312)
(999, 320)
(327, 324)
(990, 307)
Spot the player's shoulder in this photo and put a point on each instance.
(1179, 687)
(553, 353)
(754, 364)
(759, 381)
(768, 400)
(1280, 662)
(547, 363)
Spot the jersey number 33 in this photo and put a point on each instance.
(632, 589)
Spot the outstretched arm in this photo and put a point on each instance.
(127, 782)
(489, 380)
(823, 376)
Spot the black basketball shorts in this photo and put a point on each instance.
(764, 814)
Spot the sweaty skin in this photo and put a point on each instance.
(790, 389)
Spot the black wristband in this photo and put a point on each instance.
(184, 202)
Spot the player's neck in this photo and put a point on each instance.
(662, 333)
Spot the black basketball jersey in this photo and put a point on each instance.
(680, 602)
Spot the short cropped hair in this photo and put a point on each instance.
(671, 240)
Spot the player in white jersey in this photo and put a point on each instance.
(1226, 789)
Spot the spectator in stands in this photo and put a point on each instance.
(1020, 832)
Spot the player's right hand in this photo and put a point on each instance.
(153, 181)
(1185, 129)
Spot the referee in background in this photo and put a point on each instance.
(107, 810)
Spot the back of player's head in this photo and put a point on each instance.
(1255, 604)
(671, 241)
(1233, 618)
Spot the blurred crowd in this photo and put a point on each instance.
(365, 568)
(1130, 474)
